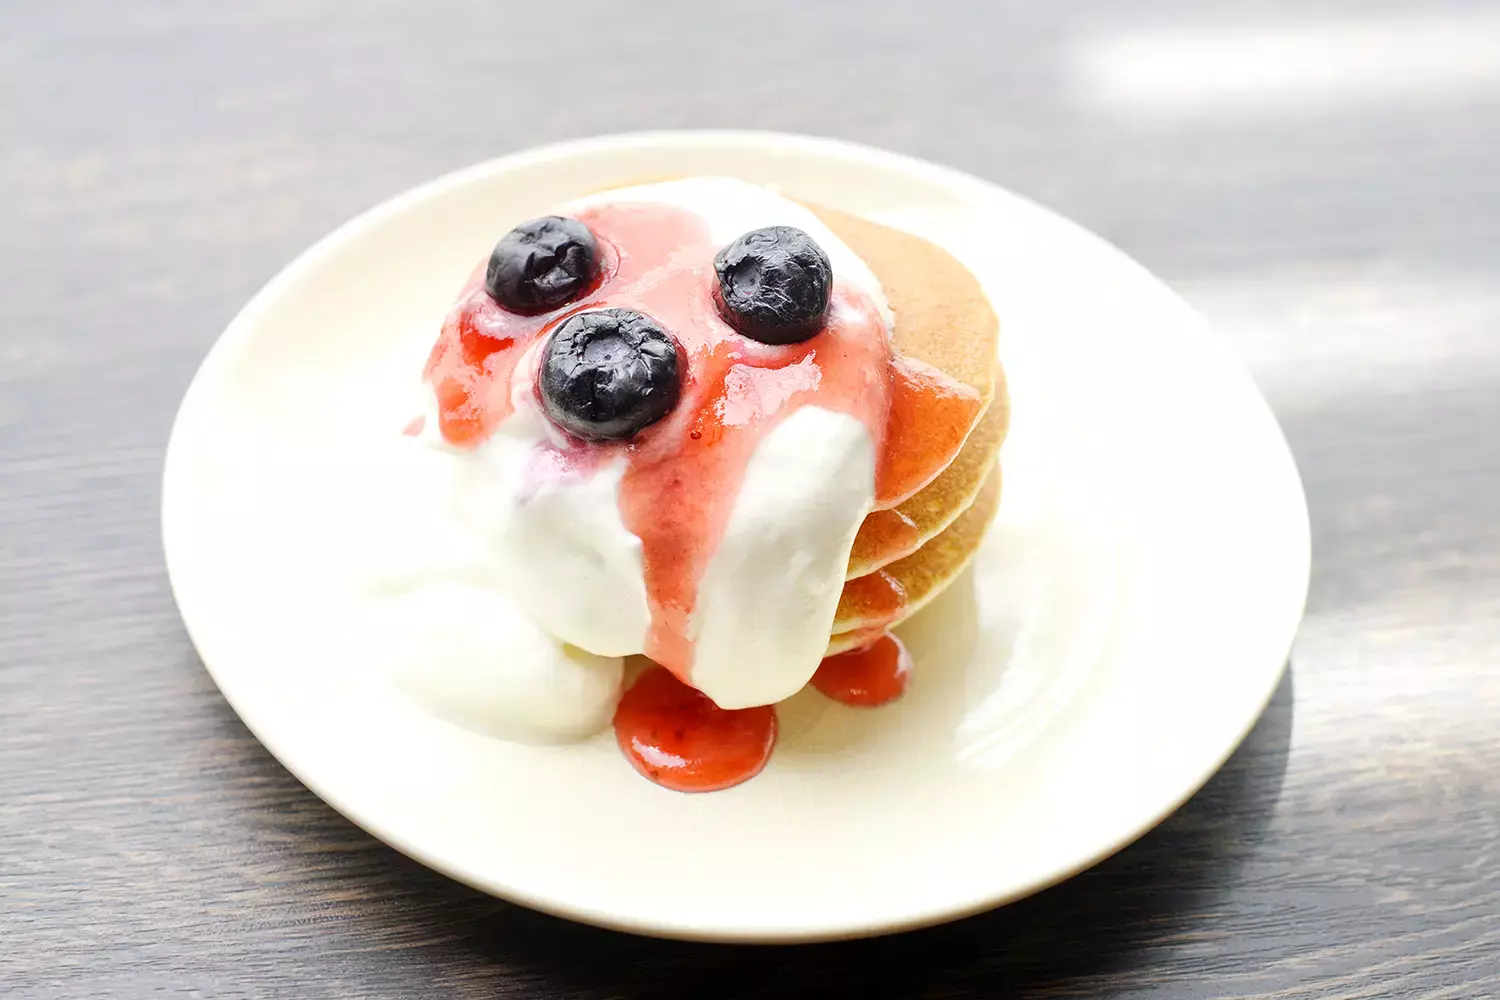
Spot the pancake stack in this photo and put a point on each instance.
(906, 556)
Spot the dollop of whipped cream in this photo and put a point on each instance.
(767, 596)
(472, 657)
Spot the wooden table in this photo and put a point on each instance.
(160, 161)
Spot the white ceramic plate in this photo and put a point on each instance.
(1119, 632)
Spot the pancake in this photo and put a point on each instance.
(890, 595)
(888, 535)
(942, 318)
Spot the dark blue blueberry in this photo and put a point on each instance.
(542, 264)
(774, 285)
(608, 373)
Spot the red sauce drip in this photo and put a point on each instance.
(471, 364)
(681, 740)
(879, 597)
(868, 676)
(929, 419)
(887, 535)
(417, 425)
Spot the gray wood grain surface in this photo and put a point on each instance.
(159, 161)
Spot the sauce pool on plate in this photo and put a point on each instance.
(871, 675)
(677, 737)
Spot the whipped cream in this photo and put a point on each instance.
(472, 657)
(566, 556)
(766, 602)
(430, 614)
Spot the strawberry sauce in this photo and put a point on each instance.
(869, 676)
(878, 596)
(677, 737)
(929, 419)
(887, 535)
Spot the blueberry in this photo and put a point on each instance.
(774, 285)
(541, 264)
(608, 373)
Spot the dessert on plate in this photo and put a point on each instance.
(728, 435)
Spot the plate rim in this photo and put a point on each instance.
(242, 325)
